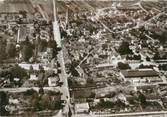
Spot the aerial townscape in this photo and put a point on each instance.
(83, 58)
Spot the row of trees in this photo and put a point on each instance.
(29, 49)
(140, 98)
(14, 72)
(42, 101)
(4, 100)
(7, 50)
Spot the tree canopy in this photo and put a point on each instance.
(123, 66)
(27, 50)
(2, 49)
(124, 48)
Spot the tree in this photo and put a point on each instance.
(105, 104)
(10, 50)
(163, 67)
(42, 45)
(163, 37)
(156, 56)
(58, 105)
(31, 69)
(18, 72)
(52, 44)
(24, 13)
(41, 90)
(27, 50)
(35, 100)
(104, 46)
(120, 103)
(124, 48)
(137, 57)
(123, 66)
(2, 49)
(72, 69)
(41, 69)
(141, 98)
(92, 95)
(70, 82)
(14, 72)
(141, 66)
(44, 102)
(148, 58)
(27, 53)
(4, 100)
(30, 92)
(90, 81)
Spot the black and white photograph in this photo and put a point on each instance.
(83, 58)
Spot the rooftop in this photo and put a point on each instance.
(82, 106)
(139, 73)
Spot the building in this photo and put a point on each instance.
(9, 17)
(52, 81)
(82, 108)
(116, 58)
(33, 77)
(141, 76)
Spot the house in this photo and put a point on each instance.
(80, 71)
(82, 108)
(115, 58)
(35, 66)
(33, 77)
(80, 95)
(162, 86)
(103, 66)
(101, 81)
(141, 76)
(112, 58)
(44, 57)
(149, 90)
(52, 81)
(9, 16)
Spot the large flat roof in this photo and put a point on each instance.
(139, 73)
